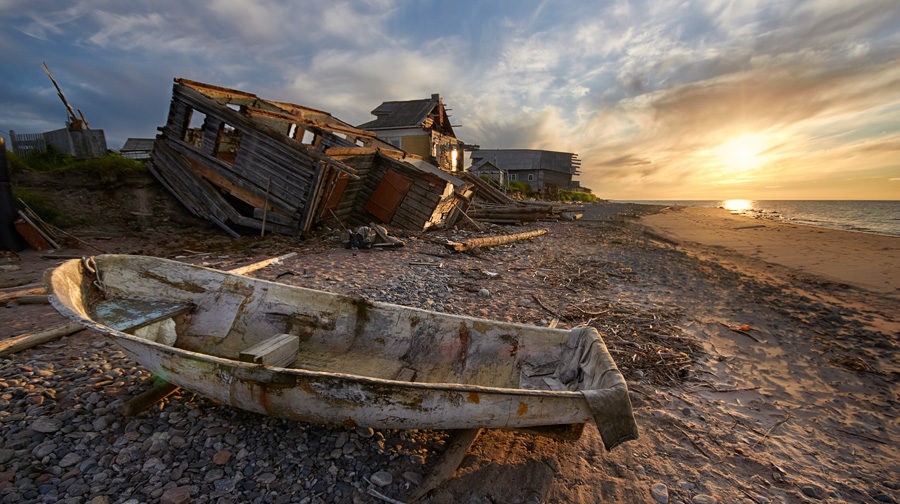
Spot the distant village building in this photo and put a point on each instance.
(76, 139)
(545, 171)
(86, 143)
(420, 127)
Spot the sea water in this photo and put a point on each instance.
(879, 217)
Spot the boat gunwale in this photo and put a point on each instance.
(301, 372)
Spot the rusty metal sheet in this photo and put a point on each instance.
(388, 196)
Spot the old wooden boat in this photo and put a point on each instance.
(327, 358)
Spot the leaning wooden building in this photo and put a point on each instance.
(243, 162)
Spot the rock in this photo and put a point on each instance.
(46, 425)
(70, 459)
(213, 474)
(813, 491)
(6, 455)
(100, 424)
(704, 499)
(413, 477)
(482, 292)
(266, 478)
(176, 495)
(78, 489)
(341, 440)
(221, 457)
(382, 478)
(660, 493)
(42, 450)
(100, 499)
(224, 485)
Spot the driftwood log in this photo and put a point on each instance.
(489, 241)
(28, 340)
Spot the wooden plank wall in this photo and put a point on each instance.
(267, 164)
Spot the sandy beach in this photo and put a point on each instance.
(761, 358)
(863, 260)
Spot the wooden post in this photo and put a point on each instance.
(262, 229)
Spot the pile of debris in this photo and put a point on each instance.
(492, 205)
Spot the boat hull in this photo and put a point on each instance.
(489, 360)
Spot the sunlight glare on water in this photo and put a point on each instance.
(738, 205)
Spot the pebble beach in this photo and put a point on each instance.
(752, 380)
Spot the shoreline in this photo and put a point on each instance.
(768, 215)
(864, 260)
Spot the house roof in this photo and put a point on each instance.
(138, 144)
(423, 165)
(483, 165)
(410, 114)
(529, 159)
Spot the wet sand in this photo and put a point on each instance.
(864, 260)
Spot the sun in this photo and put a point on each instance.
(743, 152)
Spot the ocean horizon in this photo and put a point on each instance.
(866, 216)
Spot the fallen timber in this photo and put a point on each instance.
(356, 362)
(489, 241)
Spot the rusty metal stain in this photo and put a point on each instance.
(522, 409)
(362, 314)
(512, 341)
(474, 398)
(304, 384)
(463, 347)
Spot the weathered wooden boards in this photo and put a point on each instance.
(279, 350)
(249, 268)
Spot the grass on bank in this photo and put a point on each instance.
(106, 168)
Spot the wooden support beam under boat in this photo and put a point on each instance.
(458, 445)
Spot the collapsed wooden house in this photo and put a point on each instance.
(243, 162)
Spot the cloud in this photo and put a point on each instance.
(645, 92)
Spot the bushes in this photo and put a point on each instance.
(52, 161)
(518, 186)
(585, 197)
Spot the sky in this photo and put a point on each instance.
(661, 99)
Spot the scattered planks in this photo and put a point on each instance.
(28, 340)
(27, 295)
(243, 270)
(489, 241)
